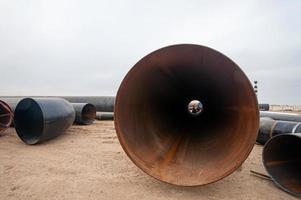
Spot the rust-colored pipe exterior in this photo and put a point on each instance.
(164, 138)
(6, 116)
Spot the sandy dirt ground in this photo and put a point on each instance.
(87, 162)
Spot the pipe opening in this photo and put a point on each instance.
(172, 144)
(6, 116)
(89, 113)
(282, 160)
(29, 121)
(195, 107)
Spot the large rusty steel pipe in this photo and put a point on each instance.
(6, 116)
(40, 119)
(85, 113)
(11, 101)
(282, 160)
(186, 115)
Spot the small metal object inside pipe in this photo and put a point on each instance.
(282, 160)
(40, 119)
(6, 116)
(85, 113)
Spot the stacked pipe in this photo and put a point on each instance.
(103, 104)
(85, 113)
(281, 135)
(105, 115)
(40, 119)
(269, 128)
(264, 107)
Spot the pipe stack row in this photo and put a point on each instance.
(159, 133)
(38, 119)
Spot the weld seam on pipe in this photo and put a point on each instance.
(295, 127)
(273, 127)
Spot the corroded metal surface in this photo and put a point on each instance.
(163, 138)
(6, 116)
(282, 160)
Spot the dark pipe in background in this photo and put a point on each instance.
(6, 116)
(40, 119)
(105, 115)
(102, 103)
(282, 160)
(269, 128)
(264, 106)
(85, 113)
(281, 116)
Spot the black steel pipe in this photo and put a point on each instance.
(6, 116)
(85, 113)
(102, 103)
(40, 119)
(282, 160)
(264, 106)
(105, 115)
(294, 117)
(269, 128)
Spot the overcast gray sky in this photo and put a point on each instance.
(85, 47)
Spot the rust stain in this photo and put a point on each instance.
(282, 162)
(170, 154)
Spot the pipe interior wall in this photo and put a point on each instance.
(162, 136)
(282, 161)
(85, 113)
(6, 116)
